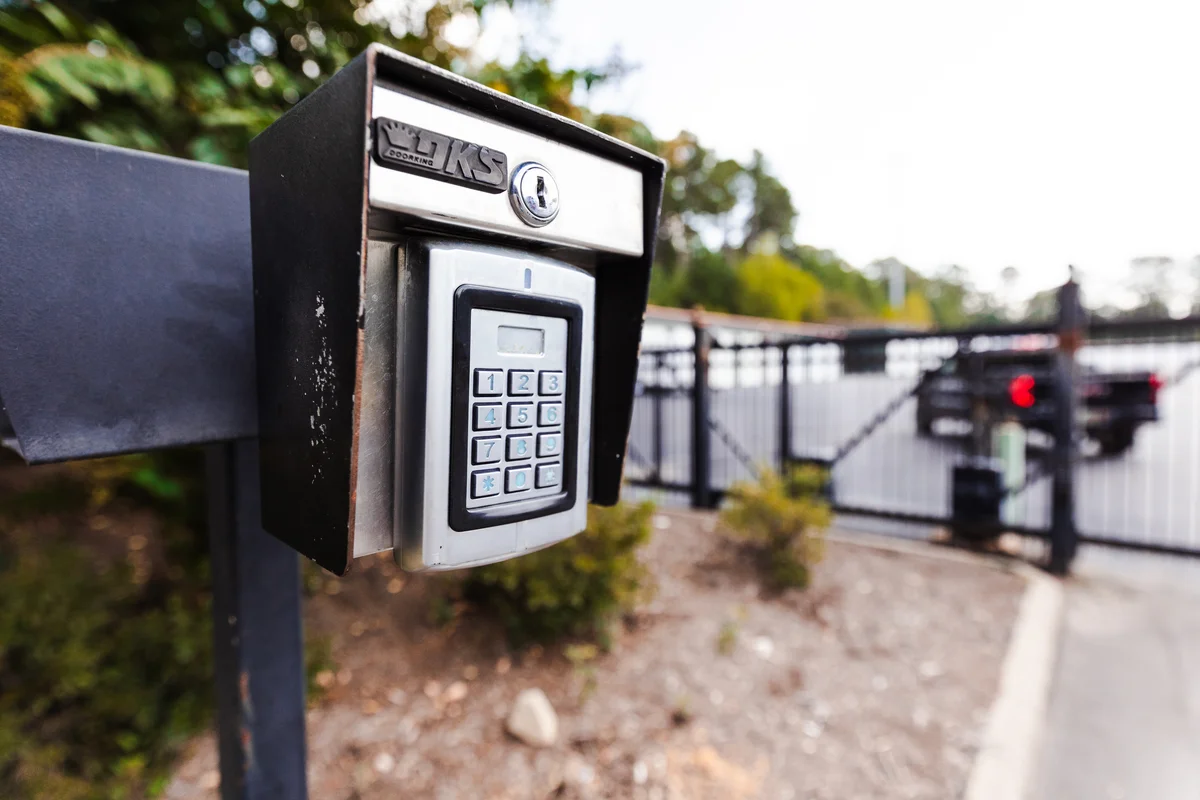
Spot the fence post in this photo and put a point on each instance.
(257, 635)
(1064, 536)
(785, 410)
(656, 406)
(701, 433)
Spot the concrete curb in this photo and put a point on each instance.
(1008, 750)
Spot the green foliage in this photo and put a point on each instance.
(783, 518)
(105, 637)
(105, 662)
(773, 287)
(574, 588)
(193, 78)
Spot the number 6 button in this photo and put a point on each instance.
(549, 413)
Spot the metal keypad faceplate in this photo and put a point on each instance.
(516, 407)
(443, 521)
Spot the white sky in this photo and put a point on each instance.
(1032, 133)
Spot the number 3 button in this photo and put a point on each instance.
(551, 382)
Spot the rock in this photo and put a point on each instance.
(384, 763)
(764, 647)
(455, 692)
(532, 719)
(578, 774)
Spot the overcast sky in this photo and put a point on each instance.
(1031, 133)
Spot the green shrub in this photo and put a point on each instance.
(574, 588)
(105, 632)
(105, 638)
(784, 519)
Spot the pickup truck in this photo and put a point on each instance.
(1018, 385)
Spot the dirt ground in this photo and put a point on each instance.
(874, 683)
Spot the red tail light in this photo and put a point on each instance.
(1156, 383)
(1020, 390)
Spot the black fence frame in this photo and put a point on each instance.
(126, 318)
(1070, 330)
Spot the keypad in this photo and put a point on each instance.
(517, 433)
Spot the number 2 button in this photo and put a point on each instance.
(520, 383)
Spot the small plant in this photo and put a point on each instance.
(784, 519)
(727, 638)
(575, 588)
(582, 657)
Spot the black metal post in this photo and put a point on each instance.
(785, 411)
(701, 434)
(1064, 536)
(258, 637)
(656, 406)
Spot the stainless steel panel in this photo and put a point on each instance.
(374, 476)
(600, 200)
(425, 541)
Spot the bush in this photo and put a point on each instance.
(105, 625)
(105, 637)
(574, 588)
(784, 519)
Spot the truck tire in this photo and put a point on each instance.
(1115, 440)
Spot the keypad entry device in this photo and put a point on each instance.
(516, 434)
(506, 379)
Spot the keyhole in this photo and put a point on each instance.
(541, 191)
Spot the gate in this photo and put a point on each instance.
(850, 405)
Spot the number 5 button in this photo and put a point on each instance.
(550, 413)
(551, 382)
(520, 415)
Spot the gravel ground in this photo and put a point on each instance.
(874, 683)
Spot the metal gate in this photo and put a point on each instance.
(850, 404)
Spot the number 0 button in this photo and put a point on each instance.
(551, 382)
(518, 479)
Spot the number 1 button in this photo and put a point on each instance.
(489, 382)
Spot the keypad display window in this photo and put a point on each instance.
(516, 399)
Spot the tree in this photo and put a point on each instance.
(196, 79)
(771, 210)
(770, 286)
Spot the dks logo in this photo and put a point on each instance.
(435, 155)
